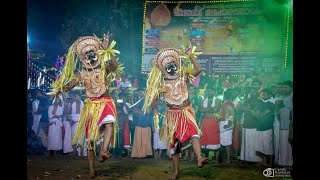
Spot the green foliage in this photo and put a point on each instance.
(86, 18)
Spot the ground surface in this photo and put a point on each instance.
(73, 168)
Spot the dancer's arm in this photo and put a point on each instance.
(197, 67)
(154, 107)
(71, 84)
(113, 63)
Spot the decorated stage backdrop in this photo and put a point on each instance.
(235, 36)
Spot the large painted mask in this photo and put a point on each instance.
(87, 48)
(168, 61)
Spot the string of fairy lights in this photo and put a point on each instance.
(38, 75)
(287, 32)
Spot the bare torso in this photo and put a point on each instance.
(96, 85)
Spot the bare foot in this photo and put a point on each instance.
(104, 156)
(202, 162)
(91, 175)
(174, 177)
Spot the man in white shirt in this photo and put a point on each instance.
(36, 115)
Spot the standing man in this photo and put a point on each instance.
(265, 117)
(76, 107)
(142, 141)
(226, 123)
(170, 75)
(97, 68)
(35, 113)
(285, 149)
(55, 114)
(250, 107)
(210, 140)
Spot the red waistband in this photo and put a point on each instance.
(99, 98)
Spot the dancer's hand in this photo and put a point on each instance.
(105, 41)
(188, 51)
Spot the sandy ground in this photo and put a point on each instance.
(70, 167)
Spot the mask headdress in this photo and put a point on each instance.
(89, 51)
(181, 64)
(87, 47)
(158, 73)
(169, 62)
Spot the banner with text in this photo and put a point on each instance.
(235, 37)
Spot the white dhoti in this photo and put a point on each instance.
(55, 134)
(264, 143)
(108, 119)
(73, 129)
(276, 134)
(248, 150)
(75, 119)
(225, 134)
(157, 143)
(36, 121)
(67, 147)
(285, 150)
(84, 149)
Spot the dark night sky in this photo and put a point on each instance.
(44, 19)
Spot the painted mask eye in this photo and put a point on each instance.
(171, 68)
(90, 56)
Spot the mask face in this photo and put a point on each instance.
(91, 56)
(87, 48)
(91, 59)
(171, 68)
(168, 61)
